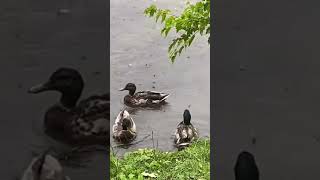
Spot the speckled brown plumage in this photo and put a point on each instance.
(143, 98)
(124, 128)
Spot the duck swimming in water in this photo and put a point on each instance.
(124, 129)
(85, 123)
(143, 98)
(185, 132)
(44, 167)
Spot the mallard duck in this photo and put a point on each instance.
(85, 123)
(245, 167)
(185, 132)
(143, 98)
(124, 128)
(44, 167)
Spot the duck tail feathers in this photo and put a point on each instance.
(165, 97)
(182, 146)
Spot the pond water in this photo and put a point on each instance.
(35, 41)
(139, 55)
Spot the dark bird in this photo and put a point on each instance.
(245, 167)
(185, 132)
(84, 123)
(143, 98)
(124, 128)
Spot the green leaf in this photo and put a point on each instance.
(163, 16)
(167, 31)
(140, 177)
(163, 30)
(194, 19)
(151, 10)
(131, 176)
(191, 39)
(179, 26)
(173, 56)
(208, 30)
(180, 50)
(170, 21)
(158, 15)
(180, 41)
(122, 176)
(172, 45)
(201, 30)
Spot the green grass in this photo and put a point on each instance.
(191, 163)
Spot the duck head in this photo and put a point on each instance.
(126, 124)
(67, 81)
(186, 117)
(131, 88)
(246, 168)
(125, 114)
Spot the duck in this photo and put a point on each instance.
(83, 123)
(44, 167)
(185, 133)
(143, 98)
(246, 167)
(124, 128)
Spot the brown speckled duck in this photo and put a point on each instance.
(143, 98)
(124, 128)
(85, 123)
(185, 132)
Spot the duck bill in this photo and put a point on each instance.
(39, 88)
(122, 89)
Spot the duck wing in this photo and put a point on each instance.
(124, 136)
(117, 124)
(88, 129)
(94, 104)
(90, 123)
(185, 134)
(155, 96)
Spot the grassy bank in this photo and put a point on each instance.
(191, 163)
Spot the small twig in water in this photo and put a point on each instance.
(157, 143)
(152, 140)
